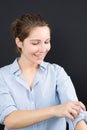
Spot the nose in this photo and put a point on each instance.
(43, 48)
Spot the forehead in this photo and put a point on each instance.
(40, 32)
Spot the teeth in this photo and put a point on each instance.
(40, 56)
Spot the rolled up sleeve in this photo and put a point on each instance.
(81, 116)
(7, 104)
(67, 93)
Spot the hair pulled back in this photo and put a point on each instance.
(22, 26)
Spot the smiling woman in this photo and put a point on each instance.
(35, 94)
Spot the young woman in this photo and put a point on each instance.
(34, 94)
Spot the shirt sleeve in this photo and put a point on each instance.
(7, 104)
(82, 116)
(66, 91)
(65, 87)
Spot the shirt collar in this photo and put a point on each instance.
(43, 65)
(15, 69)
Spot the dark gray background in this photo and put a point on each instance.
(68, 20)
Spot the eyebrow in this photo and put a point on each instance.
(39, 39)
(34, 40)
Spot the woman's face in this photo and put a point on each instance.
(36, 46)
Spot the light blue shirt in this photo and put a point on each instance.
(52, 86)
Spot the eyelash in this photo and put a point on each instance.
(35, 43)
(38, 43)
(47, 42)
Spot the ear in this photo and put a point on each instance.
(18, 42)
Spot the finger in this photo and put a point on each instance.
(76, 108)
(75, 104)
(70, 116)
(74, 113)
(82, 106)
(79, 103)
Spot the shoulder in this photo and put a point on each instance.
(5, 69)
(55, 70)
(53, 67)
(10, 69)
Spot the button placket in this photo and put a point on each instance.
(32, 100)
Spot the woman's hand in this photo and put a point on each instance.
(70, 109)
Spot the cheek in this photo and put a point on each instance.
(49, 47)
(32, 49)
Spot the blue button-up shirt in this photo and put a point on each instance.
(52, 86)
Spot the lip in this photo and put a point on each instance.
(40, 56)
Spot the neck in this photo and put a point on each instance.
(26, 65)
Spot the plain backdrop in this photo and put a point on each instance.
(68, 20)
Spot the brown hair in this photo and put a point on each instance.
(22, 26)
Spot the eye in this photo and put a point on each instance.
(35, 43)
(47, 42)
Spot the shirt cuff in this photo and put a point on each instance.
(6, 112)
(81, 116)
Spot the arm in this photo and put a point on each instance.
(24, 118)
(81, 125)
(67, 92)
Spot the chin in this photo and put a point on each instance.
(40, 61)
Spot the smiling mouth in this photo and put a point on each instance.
(40, 56)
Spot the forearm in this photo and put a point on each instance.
(81, 125)
(24, 118)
